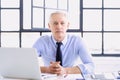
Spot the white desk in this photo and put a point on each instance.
(108, 76)
(68, 77)
(54, 77)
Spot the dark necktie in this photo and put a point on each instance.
(59, 53)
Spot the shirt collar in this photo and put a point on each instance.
(63, 42)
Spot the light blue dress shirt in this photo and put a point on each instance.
(72, 48)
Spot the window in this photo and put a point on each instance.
(38, 11)
(97, 21)
(101, 26)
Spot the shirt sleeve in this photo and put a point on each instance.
(87, 66)
(37, 45)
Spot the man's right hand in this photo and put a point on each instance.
(56, 68)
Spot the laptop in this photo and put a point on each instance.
(20, 63)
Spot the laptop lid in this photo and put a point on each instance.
(19, 63)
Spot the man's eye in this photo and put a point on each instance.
(55, 23)
(62, 23)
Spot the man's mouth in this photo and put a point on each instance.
(58, 31)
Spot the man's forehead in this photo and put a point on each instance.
(58, 18)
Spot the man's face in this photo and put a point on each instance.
(58, 25)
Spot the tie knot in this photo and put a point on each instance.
(59, 43)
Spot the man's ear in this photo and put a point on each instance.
(68, 25)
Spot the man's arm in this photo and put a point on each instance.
(56, 68)
(44, 69)
(73, 70)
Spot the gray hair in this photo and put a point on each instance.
(59, 12)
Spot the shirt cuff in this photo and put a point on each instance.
(85, 69)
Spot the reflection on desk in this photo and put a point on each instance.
(68, 77)
(97, 76)
(53, 77)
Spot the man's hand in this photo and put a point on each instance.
(56, 68)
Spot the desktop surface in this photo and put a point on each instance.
(98, 76)
(52, 77)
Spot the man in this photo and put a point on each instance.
(72, 48)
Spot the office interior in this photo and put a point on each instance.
(22, 22)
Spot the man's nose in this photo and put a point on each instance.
(59, 25)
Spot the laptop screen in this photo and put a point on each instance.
(19, 63)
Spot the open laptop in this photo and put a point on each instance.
(21, 63)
